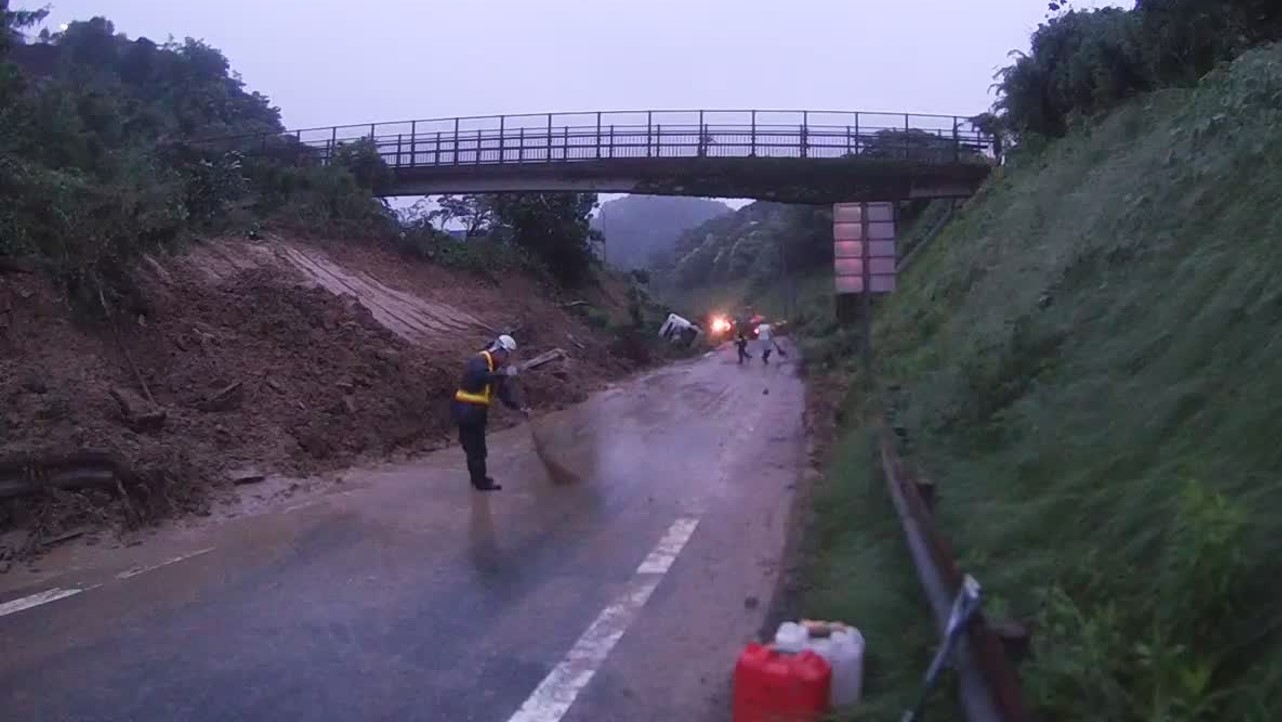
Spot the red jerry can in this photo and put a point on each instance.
(773, 686)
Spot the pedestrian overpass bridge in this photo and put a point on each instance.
(789, 156)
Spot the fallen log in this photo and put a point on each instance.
(24, 474)
(9, 264)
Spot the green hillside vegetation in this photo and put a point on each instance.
(776, 258)
(638, 229)
(1086, 361)
(749, 248)
(105, 155)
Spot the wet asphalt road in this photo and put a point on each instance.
(400, 594)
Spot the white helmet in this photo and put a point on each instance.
(505, 343)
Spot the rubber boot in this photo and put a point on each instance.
(487, 485)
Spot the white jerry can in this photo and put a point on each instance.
(842, 648)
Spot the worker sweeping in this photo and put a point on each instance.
(484, 377)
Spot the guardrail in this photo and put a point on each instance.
(988, 686)
(597, 136)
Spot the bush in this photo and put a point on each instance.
(1083, 63)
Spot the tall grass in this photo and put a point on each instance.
(1088, 362)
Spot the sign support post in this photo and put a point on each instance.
(863, 263)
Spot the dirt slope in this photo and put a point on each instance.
(332, 353)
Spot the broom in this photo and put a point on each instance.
(557, 472)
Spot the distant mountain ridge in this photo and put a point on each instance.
(639, 228)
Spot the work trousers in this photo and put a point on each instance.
(471, 436)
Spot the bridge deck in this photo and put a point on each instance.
(787, 155)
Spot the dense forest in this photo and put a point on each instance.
(106, 153)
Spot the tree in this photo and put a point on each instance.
(361, 158)
(13, 23)
(554, 227)
(473, 211)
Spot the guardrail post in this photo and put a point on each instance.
(502, 132)
(753, 136)
(857, 139)
(520, 151)
(413, 142)
(598, 135)
(612, 140)
(333, 143)
(926, 490)
(478, 146)
(848, 152)
(549, 137)
(398, 149)
(658, 143)
(371, 131)
(436, 154)
(956, 141)
(565, 143)
(455, 141)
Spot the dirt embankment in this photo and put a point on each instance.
(284, 357)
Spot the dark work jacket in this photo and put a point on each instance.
(476, 375)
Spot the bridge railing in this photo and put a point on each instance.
(578, 137)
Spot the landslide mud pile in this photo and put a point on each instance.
(247, 364)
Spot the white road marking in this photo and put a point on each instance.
(35, 600)
(665, 553)
(140, 570)
(556, 693)
(53, 595)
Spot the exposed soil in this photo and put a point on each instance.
(256, 362)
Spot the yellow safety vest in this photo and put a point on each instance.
(483, 398)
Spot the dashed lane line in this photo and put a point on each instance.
(557, 692)
(35, 600)
(152, 567)
(52, 595)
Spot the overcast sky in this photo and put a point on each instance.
(327, 62)
(333, 62)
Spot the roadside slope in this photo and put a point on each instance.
(1087, 363)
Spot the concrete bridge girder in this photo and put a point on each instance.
(777, 179)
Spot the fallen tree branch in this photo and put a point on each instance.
(544, 358)
(115, 333)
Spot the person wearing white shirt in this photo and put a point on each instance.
(767, 342)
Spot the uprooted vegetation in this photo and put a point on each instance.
(1085, 364)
